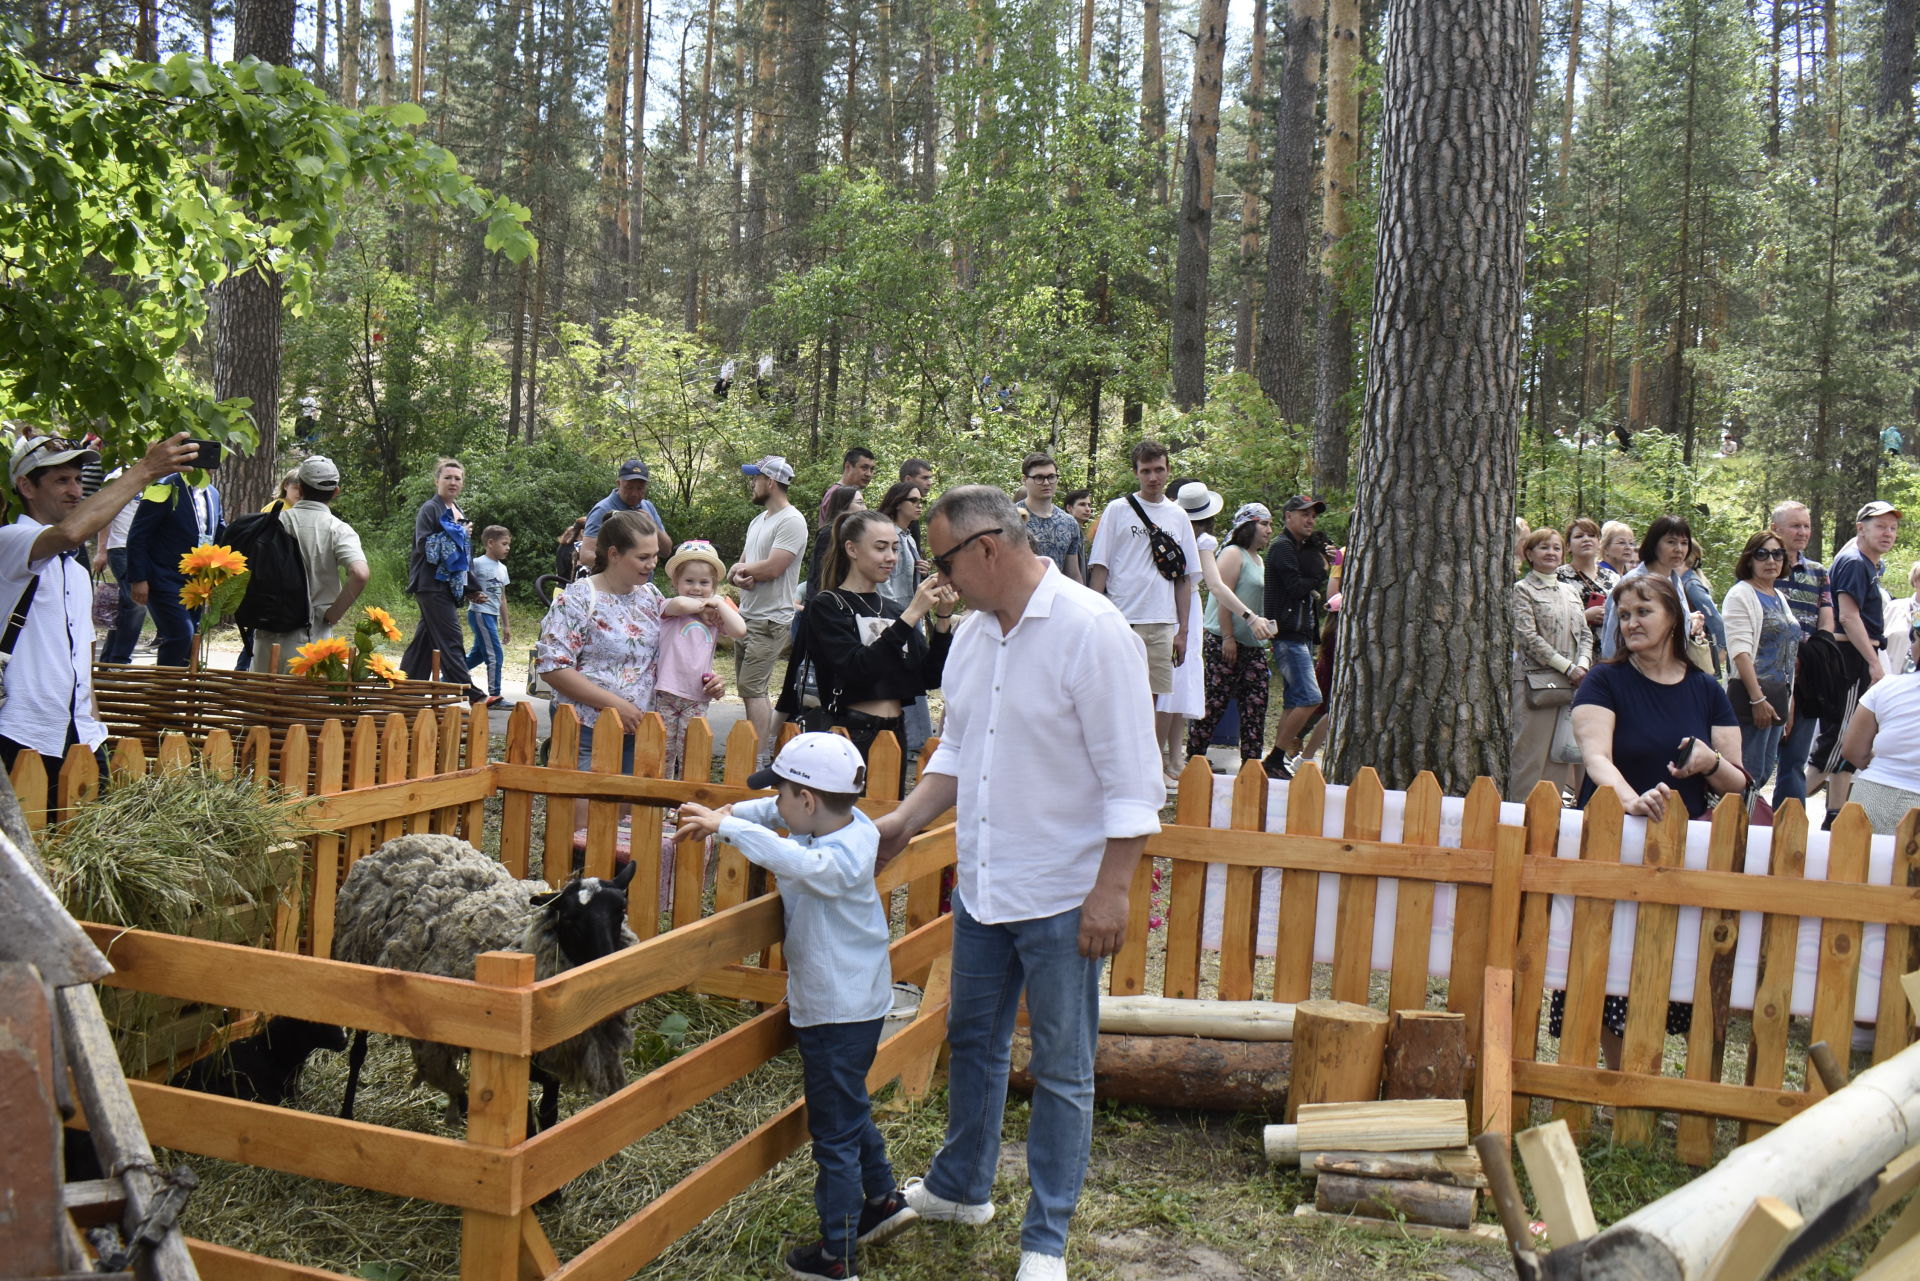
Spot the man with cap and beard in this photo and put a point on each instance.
(330, 549)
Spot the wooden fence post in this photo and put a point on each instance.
(1645, 1039)
(1187, 887)
(730, 874)
(647, 895)
(496, 1118)
(1413, 914)
(216, 753)
(690, 857)
(1839, 972)
(1893, 1029)
(1353, 930)
(1712, 983)
(479, 751)
(1779, 944)
(516, 807)
(423, 761)
(563, 752)
(328, 776)
(1299, 890)
(293, 778)
(1479, 823)
(1542, 822)
(1493, 1081)
(1586, 987)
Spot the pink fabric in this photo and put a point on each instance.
(686, 655)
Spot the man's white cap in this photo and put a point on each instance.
(824, 762)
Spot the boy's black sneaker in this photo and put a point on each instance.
(882, 1219)
(810, 1262)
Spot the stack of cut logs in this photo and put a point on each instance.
(1401, 1157)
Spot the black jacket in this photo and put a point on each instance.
(900, 664)
(1296, 572)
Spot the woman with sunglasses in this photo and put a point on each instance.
(1763, 640)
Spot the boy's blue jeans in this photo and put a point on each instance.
(992, 964)
(847, 1147)
(486, 648)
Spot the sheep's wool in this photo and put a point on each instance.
(430, 904)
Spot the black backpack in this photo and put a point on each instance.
(276, 599)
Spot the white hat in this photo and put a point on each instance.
(823, 762)
(318, 472)
(32, 453)
(773, 467)
(1199, 502)
(701, 550)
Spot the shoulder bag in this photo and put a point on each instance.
(1548, 688)
(21, 608)
(1169, 558)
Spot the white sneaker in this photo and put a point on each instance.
(1041, 1267)
(937, 1209)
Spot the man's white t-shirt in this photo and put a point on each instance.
(327, 545)
(1895, 704)
(784, 530)
(1121, 545)
(50, 680)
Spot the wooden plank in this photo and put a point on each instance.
(1187, 886)
(742, 983)
(29, 779)
(426, 1006)
(730, 865)
(1893, 1030)
(563, 749)
(1240, 903)
(224, 1263)
(921, 862)
(516, 806)
(394, 765)
(1559, 1184)
(1353, 929)
(1779, 943)
(1659, 1093)
(1392, 1126)
(1898, 1266)
(496, 1119)
(1478, 1234)
(1493, 1082)
(1848, 847)
(1473, 905)
(423, 761)
(1299, 888)
(329, 774)
(1413, 915)
(294, 773)
(1904, 1228)
(1127, 972)
(689, 880)
(216, 753)
(884, 767)
(79, 780)
(643, 844)
(603, 817)
(427, 1166)
(1712, 983)
(917, 1078)
(1543, 813)
(127, 761)
(696, 762)
(1586, 989)
(479, 751)
(575, 1000)
(174, 755)
(1757, 1243)
(363, 771)
(449, 726)
(33, 1226)
(1644, 1045)
(256, 749)
(393, 802)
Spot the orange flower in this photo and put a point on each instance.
(195, 594)
(383, 667)
(385, 620)
(222, 562)
(315, 655)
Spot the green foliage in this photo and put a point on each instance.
(127, 194)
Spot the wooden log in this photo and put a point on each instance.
(1458, 1166)
(1427, 1055)
(1810, 1163)
(1179, 1072)
(1478, 1234)
(33, 1228)
(1340, 1049)
(1439, 1205)
(1402, 1125)
(1221, 1020)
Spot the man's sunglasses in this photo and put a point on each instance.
(944, 561)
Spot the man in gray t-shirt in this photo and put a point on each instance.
(1054, 533)
(768, 576)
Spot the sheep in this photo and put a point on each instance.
(431, 903)
(266, 1066)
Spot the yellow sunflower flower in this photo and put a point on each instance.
(383, 667)
(315, 655)
(223, 562)
(388, 627)
(195, 594)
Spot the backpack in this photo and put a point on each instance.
(1169, 558)
(276, 598)
(1824, 676)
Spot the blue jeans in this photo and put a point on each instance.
(173, 625)
(128, 619)
(585, 760)
(847, 1148)
(1759, 749)
(1294, 661)
(991, 965)
(1794, 750)
(486, 648)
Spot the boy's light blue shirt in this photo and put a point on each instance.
(490, 576)
(838, 970)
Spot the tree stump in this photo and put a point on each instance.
(1178, 1071)
(1427, 1055)
(1339, 1049)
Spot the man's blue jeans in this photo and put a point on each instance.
(991, 965)
(173, 625)
(1795, 747)
(128, 619)
(847, 1147)
(1294, 661)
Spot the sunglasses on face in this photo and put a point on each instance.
(944, 561)
(1771, 553)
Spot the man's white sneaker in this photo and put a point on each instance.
(1041, 1267)
(937, 1209)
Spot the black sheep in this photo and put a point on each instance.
(264, 1067)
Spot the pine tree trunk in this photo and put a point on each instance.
(146, 39)
(1243, 308)
(383, 47)
(761, 152)
(889, 113)
(1084, 55)
(613, 144)
(246, 338)
(1566, 107)
(1894, 153)
(350, 55)
(420, 19)
(1153, 94)
(1679, 344)
(1285, 362)
(642, 49)
(1424, 658)
(319, 38)
(1195, 255)
(1333, 364)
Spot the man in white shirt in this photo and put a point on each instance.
(1049, 830)
(1121, 564)
(768, 576)
(329, 547)
(49, 680)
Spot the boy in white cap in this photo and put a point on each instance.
(687, 644)
(839, 981)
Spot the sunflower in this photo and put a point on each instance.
(195, 594)
(315, 655)
(222, 562)
(388, 627)
(383, 667)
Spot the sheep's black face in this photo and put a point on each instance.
(587, 915)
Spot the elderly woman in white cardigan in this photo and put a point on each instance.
(1763, 640)
(1554, 648)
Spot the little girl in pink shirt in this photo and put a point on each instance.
(687, 645)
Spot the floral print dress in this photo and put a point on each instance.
(612, 640)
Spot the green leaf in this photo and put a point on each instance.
(410, 114)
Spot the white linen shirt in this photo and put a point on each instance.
(838, 967)
(50, 680)
(1050, 738)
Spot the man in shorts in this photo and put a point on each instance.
(768, 575)
(1121, 565)
(1296, 587)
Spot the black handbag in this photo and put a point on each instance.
(1169, 558)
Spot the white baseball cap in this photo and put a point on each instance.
(824, 762)
(773, 467)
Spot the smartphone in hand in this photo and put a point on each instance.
(208, 457)
(1683, 753)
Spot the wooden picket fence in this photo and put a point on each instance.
(436, 777)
